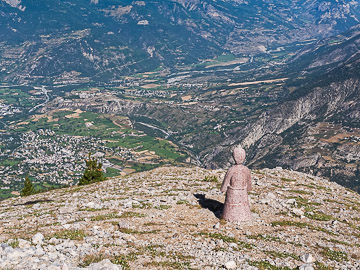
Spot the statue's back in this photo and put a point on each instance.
(237, 183)
(240, 177)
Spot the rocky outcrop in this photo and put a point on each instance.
(320, 102)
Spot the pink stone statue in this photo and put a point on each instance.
(236, 184)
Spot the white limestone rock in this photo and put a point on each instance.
(104, 265)
(306, 267)
(230, 265)
(37, 239)
(307, 258)
(297, 212)
(23, 243)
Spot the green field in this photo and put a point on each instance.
(5, 194)
(124, 146)
(16, 97)
(104, 128)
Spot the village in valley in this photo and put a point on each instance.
(51, 145)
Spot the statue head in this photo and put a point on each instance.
(239, 154)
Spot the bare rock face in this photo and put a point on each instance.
(292, 134)
(166, 217)
(306, 162)
(348, 152)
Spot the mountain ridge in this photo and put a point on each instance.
(124, 37)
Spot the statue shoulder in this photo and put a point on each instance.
(244, 168)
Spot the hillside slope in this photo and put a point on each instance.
(327, 54)
(167, 218)
(98, 41)
(316, 128)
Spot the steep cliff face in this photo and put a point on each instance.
(311, 131)
(327, 54)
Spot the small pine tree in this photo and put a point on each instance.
(28, 187)
(93, 172)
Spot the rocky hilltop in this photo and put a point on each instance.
(167, 218)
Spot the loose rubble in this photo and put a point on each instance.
(169, 218)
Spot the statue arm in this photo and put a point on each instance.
(249, 183)
(226, 181)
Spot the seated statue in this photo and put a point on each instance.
(236, 184)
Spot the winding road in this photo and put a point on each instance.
(153, 127)
(45, 92)
(5, 125)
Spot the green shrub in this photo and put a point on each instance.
(14, 243)
(334, 255)
(28, 187)
(70, 234)
(318, 216)
(264, 265)
(93, 172)
(211, 178)
(91, 258)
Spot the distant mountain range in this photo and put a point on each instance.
(100, 40)
(307, 120)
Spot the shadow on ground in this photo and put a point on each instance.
(34, 202)
(213, 205)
